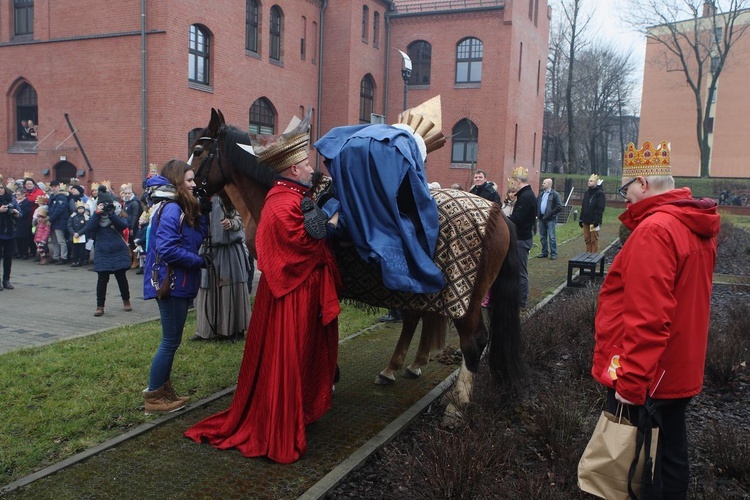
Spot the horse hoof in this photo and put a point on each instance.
(412, 374)
(383, 379)
(452, 418)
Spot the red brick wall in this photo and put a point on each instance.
(97, 80)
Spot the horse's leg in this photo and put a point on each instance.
(434, 330)
(460, 395)
(409, 319)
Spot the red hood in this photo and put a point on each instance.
(700, 215)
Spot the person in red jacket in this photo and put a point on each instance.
(654, 307)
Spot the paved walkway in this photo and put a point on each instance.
(155, 461)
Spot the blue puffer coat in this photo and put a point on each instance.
(176, 246)
(111, 253)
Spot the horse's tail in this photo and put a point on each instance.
(504, 358)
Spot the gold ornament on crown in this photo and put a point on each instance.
(647, 161)
(426, 120)
(128, 186)
(28, 174)
(106, 184)
(94, 187)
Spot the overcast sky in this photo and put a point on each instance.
(607, 24)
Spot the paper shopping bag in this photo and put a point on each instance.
(605, 464)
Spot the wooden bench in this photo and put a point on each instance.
(586, 262)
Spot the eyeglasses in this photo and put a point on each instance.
(624, 189)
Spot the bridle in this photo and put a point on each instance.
(206, 162)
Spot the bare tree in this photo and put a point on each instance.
(555, 124)
(577, 23)
(699, 35)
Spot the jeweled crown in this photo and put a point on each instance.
(647, 161)
(520, 173)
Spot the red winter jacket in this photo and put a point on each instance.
(654, 305)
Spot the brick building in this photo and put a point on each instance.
(134, 78)
(668, 108)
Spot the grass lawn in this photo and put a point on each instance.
(66, 397)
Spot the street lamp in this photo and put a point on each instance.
(405, 73)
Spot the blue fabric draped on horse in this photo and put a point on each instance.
(219, 162)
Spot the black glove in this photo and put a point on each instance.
(208, 260)
(206, 205)
(580, 223)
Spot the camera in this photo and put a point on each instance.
(109, 207)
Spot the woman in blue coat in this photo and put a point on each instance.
(172, 272)
(112, 253)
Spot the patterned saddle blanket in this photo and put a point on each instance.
(463, 219)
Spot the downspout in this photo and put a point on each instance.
(144, 159)
(387, 58)
(320, 74)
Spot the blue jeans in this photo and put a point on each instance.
(173, 312)
(547, 230)
(524, 247)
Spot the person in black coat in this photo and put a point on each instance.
(483, 188)
(524, 217)
(592, 211)
(76, 223)
(111, 249)
(10, 212)
(25, 246)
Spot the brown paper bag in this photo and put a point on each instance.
(605, 464)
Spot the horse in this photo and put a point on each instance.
(219, 162)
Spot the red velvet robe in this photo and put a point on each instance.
(287, 371)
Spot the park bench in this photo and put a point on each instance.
(586, 262)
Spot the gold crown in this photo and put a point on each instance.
(42, 199)
(426, 120)
(646, 161)
(94, 186)
(106, 184)
(127, 185)
(63, 187)
(520, 173)
(29, 175)
(80, 204)
(74, 181)
(594, 177)
(282, 151)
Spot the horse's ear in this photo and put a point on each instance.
(215, 124)
(221, 116)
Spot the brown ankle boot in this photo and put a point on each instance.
(159, 401)
(99, 311)
(126, 305)
(169, 390)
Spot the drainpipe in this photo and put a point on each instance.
(387, 58)
(144, 166)
(320, 73)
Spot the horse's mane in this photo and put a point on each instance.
(242, 161)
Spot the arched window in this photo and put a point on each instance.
(276, 20)
(251, 26)
(262, 117)
(465, 140)
(26, 109)
(469, 61)
(376, 29)
(23, 17)
(366, 98)
(198, 65)
(365, 22)
(303, 40)
(420, 53)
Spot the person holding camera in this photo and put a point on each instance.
(105, 227)
(172, 272)
(10, 212)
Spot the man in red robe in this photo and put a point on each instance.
(288, 368)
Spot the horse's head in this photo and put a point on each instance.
(217, 158)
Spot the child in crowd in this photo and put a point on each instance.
(76, 223)
(41, 233)
(140, 240)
